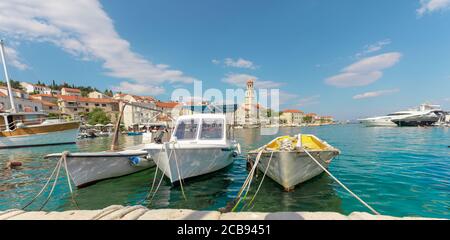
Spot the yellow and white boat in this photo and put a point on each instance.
(286, 160)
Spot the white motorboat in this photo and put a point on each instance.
(288, 163)
(88, 168)
(198, 145)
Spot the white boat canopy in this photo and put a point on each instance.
(201, 128)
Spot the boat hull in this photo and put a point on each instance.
(378, 123)
(40, 139)
(88, 168)
(292, 168)
(192, 161)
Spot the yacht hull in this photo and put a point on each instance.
(39, 139)
(424, 120)
(378, 123)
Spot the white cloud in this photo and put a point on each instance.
(429, 6)
(240, 80)
(239, 63)
(215, 61)
(13, 59)
(83, 29)
(138, 89)
(364, 71)
(375, 94)
(374, 47)
(308, 101)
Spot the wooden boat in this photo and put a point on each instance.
(27, 129)
(88, 168)
(199, 145)
(287, 161)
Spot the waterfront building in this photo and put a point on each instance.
(170, 110)
(139, 112)
(21, 100)
(291, 116)
(34, 88)
(326, 119)
(229, 110)
(77, 107)
(71, 92)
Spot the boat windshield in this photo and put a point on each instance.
(398, 114)
(187, 129)
(212, 129)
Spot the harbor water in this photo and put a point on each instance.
(398, 171)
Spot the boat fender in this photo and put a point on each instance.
(135, 161)
(235, 154)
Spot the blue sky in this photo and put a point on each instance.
(346, 58)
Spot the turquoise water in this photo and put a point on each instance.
(399, 171)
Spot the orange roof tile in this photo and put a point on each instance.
(74, 90)
(167, 104)
(292, 111)
(85, 99)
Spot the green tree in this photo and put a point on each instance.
(14, 84)
(97, 115)
(307, 119)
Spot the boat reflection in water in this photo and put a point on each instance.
(204, 192)
(207, 192)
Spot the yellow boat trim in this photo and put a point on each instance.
(308, 141)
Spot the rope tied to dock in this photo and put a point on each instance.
(247, 181)
(340, 183)
(55, 175)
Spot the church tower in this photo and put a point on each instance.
(249, 101)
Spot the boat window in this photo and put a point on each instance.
(397, 114)
(187, 129)
(211, 129)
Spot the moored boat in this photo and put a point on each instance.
(26, 128)
(287, 160)
(199, 145)
(87, 168)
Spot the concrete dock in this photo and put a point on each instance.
(116, 212)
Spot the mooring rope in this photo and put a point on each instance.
(45, 186)
(262, 180)
(247, 181)
(154, 176)
(57, 170)
(68, 176)
(180, 179)
(162, 177)
(53, 186)
(340, 183)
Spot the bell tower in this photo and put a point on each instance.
(249, 101)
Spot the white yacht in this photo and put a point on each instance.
(424, 115)
(200, 144)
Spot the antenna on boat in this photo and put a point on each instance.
(11, 97)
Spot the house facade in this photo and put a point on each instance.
(71, 92)
(21, 100)
(77, 107)
(291, 116)
(37, 89)
(138, 112)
